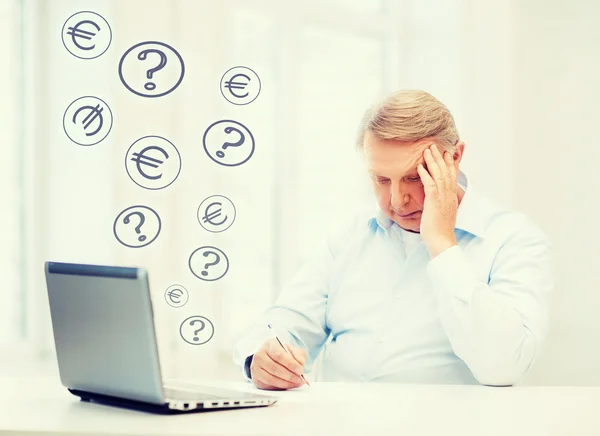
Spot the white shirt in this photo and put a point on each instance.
(410, 240)
(477, 313)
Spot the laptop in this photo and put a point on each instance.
(103, 326)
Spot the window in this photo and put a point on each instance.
(12, 253)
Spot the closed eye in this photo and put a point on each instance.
(382, 180)
(414, 179)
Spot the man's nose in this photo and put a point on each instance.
(399, 196)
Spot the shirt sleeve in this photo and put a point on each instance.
(299, 313)
(496, 327)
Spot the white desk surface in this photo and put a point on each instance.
(40, 405)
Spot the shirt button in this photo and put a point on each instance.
(381, 339)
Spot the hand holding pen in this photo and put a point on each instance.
(276, 367)
(288, 352)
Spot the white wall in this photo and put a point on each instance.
(556, 170)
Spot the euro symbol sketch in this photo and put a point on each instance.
(175, 295)
(95, 112)
(231, 84)
(141, 159)
(75, 32)
(209, 216)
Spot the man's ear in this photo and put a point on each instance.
(459, 150)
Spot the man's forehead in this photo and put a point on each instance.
(382, 170)
(404, 166)
(396, 161)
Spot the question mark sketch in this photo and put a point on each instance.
(228, 130)
(199, 264)
(202, 335)
(147, 219)
(196, 338)
(214, 143)
(138, 78)
(143, 55)
(206, 265)
(126, 220)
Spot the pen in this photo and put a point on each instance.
(286, 350)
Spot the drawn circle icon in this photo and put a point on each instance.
(216, 213)
(151, 69)
(197, 330)
(208, 263)
(176, 296)
(240, 85)
(86, 35)
(87, 121)
(153, 162)
(137, 226)
(228, 143)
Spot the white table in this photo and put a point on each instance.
(40, 405)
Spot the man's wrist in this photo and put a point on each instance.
(438, 247)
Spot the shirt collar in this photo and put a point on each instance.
(468, 216)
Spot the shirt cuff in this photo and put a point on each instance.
(451, 274)
(246, 368)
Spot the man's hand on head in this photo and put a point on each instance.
(441, 201)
